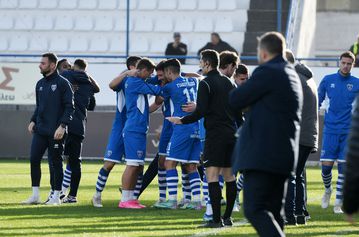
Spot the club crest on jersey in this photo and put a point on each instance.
(139, 154)
(109, 153)
(350, 87)
(332, 85)
(53, 87)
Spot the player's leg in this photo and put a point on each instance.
(39, 145)
(113, 155)
(162, 185)
(341, 170)
(328, 155)
(135, 150)
(186, 188)
(150, 174)
(67, 174)
(239, 184)
(214, 190)
(74, 162)
(208, 215)
(55, 150)
(138, 186)
(231, 193)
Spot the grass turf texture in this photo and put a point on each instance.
(84, 220)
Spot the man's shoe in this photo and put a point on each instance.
(207, 217)
(170, 204)
(211, 224)
(183, 203)
(307, 215)
(158, 203)
(96, 201)
(62, 195)
(53, 201)
(194, 205)
(326, 198)
(131, 204)
(338, 209)
(49, 196)
(32, 200)
(228, 221)
(290, 220)
(301, 220)
(223, 202)
(69, 199)
(236, 207)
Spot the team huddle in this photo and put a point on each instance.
(215, 123)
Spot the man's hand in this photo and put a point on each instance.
(175, 120)
(132, 73)
(30, 128)
(189, 107)
(59, 133)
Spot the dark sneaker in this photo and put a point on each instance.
(307, 216)
(290, 221)
(228, 221)
(69, 199)
(62, 195)
(301, 220)
(211, 224)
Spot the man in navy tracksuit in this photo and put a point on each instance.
(53, 112)
(84, 87)
(269, 142)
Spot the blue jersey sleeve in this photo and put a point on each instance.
(321, 91)
(142, 87)
(153, 80)
(166, 90)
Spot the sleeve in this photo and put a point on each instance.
(251, 91)
(168, 50)
(148, 89)
(34, 116)
(230, 48)
(202, 104)
(153, 80)
(165, 93)
(68, 76)
(321, 92)
(67, 102)
(351, 183)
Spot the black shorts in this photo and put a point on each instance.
(218, 151)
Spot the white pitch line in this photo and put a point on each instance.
(218, 230)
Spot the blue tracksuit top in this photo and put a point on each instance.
(136, 91)
(341, 92)
(81, 99)
(54, 104)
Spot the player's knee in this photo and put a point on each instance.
(328, 163)
(108, 165)
(169, 164)
(161, 162)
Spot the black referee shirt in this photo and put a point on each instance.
(213, 105)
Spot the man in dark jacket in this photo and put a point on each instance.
(268, 146)
(295, 208)
(177, 48)
(351, 181)
(217, 44)
(53, 112)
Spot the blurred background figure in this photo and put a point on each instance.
(355, 50)
(177, 48)
(217, 44)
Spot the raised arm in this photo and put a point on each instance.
(94, 84)
(117, 80)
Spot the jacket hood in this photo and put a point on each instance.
(303, 70)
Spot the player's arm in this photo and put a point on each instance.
(321, 92)
(148, 89)
(201, 104)
(251, 91)
(95, 85)
(32, 123)
(154, 107)
(117, 80)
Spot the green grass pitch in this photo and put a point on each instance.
(84, 220)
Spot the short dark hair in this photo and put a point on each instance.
(173, 65)
(210, 56)
(146, 63)
(81, 63)
(273, 42)
(159, 66)
(347, 54)
(132, 61)
(60, 62)
(226, 58)
(241, 69)
(51, 56)
(217, 35)
(289, 56)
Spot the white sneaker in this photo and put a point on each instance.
(51, 193)
(96, 201)
(53, 201)
(326, 198)
(338, 209)
(236, 207)
(32, 200)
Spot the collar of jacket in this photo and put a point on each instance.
(52, 75)
(277, 59)
(213, 72)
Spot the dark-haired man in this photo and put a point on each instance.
(241, 74)
(219, 122)
(135, 130)
(53, 112)
(341, 89)
(217, 44)
(267, 152)
(115, 149)
(63, 65)
(228, 62)
(177, 48)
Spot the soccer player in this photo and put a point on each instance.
(184, 146)
(63, 65)
(241, 74)
(135, 130)
(115, 148)
(53, 112)
(84, 87)
(341, 89)
(213, 106)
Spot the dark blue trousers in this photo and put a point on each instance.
(296, 195)
(39, 145)
(263, 199)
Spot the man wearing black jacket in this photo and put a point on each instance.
(177, 48)
(220, 125)
(268, 145)
(217, 44)
(53, 112)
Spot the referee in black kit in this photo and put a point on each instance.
(220, 125)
